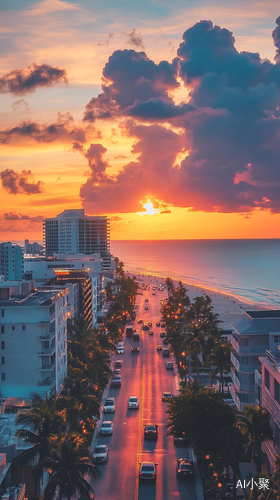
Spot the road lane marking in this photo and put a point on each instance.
(139, 449)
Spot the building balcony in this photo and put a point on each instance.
(235, 361)
(235, 379)
(252, 349)
(47, 368)
(46, 352)
(46, 382)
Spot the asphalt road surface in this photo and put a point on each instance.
(143, 375)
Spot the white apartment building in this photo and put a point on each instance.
(43, 269)
(11, 261)
(33, 342)
(74, 232)
(251, 337)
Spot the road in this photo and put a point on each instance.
(145, 376)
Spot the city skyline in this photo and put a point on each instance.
(181, 141)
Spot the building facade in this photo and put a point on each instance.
(33, 343)
(74, 232)
(250, 338)
(11, 261)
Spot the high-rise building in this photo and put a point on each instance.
(74, 232)
(11, 261)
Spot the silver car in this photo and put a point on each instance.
(133, 403)
(107, 427)
(109, 405)
(147, 471)
(100, 454)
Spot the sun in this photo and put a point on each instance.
(149, 207)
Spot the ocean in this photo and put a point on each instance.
(246, 269)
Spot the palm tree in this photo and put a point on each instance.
(255, 422)
(68, 463)
(37, 428)
(195, 342)
(220, 358)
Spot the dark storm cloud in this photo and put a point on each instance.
(20, 182)
(22, 81)
(131, 76)
(15, 216)
(63, 129)
(228, 131)
(135, 39)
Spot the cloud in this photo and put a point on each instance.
(135, 39)
(15, 216)
(21, 104)
(22, 81)
(64, 129)
(20, 182)
(115, 218)
(130, 76)
(276, 39)
(229, 127)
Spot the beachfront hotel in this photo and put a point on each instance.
(252, 336)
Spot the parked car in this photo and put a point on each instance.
(151, 431)
(162, 324)
(165, 353)
(147, 471)
(117, 371)
(116, 381)
(135, 350)
(166, 396)
(184, 468)
(120, 350)
(165, 341)
(169, 365)
(162, 334)
(118, 363)
(180, 440)
(132, 403)
(107, 427)
(109, 405)
(158, 323)
(100, 454)
(159, 348)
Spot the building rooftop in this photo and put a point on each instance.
(258, 322)
(39, 298)
(273, 313)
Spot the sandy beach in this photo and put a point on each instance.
(229, 308)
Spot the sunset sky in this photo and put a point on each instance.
(165, 116)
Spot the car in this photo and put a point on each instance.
(165, 341)
(120, 350)
(147, 471)
(100, 454)
(132, 403)
(134, 329)
(165, 353)
(118, 363)
(116, 381)
(136, 336)
(153, 293)
(146, 299)
(135, 350)
(150, 324)
(166, 396)
(140, 321)
(120, 344)
(145, 326)
(117, 371)
(151, 332)
(180, 440)
(109, 405)
(146, 308)
(151, 431)
(162, 334)
(159, 348)
(162, 324)
(158, 323)
(184, 468)
(169, 365)
(106, 428)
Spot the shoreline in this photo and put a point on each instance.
(229, 307)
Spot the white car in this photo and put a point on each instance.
(120, 344)
(100, 454)
(120, 350)
(133, 403)
(107, 427)
(109, 405)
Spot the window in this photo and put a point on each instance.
(2, 329)
(2, 344)
(23, 327)
(266, 378)
(2, 360)
(276, 391)
(243, 342)
(3, 376)
(276, 339)
(13, 327)
(2, 313)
